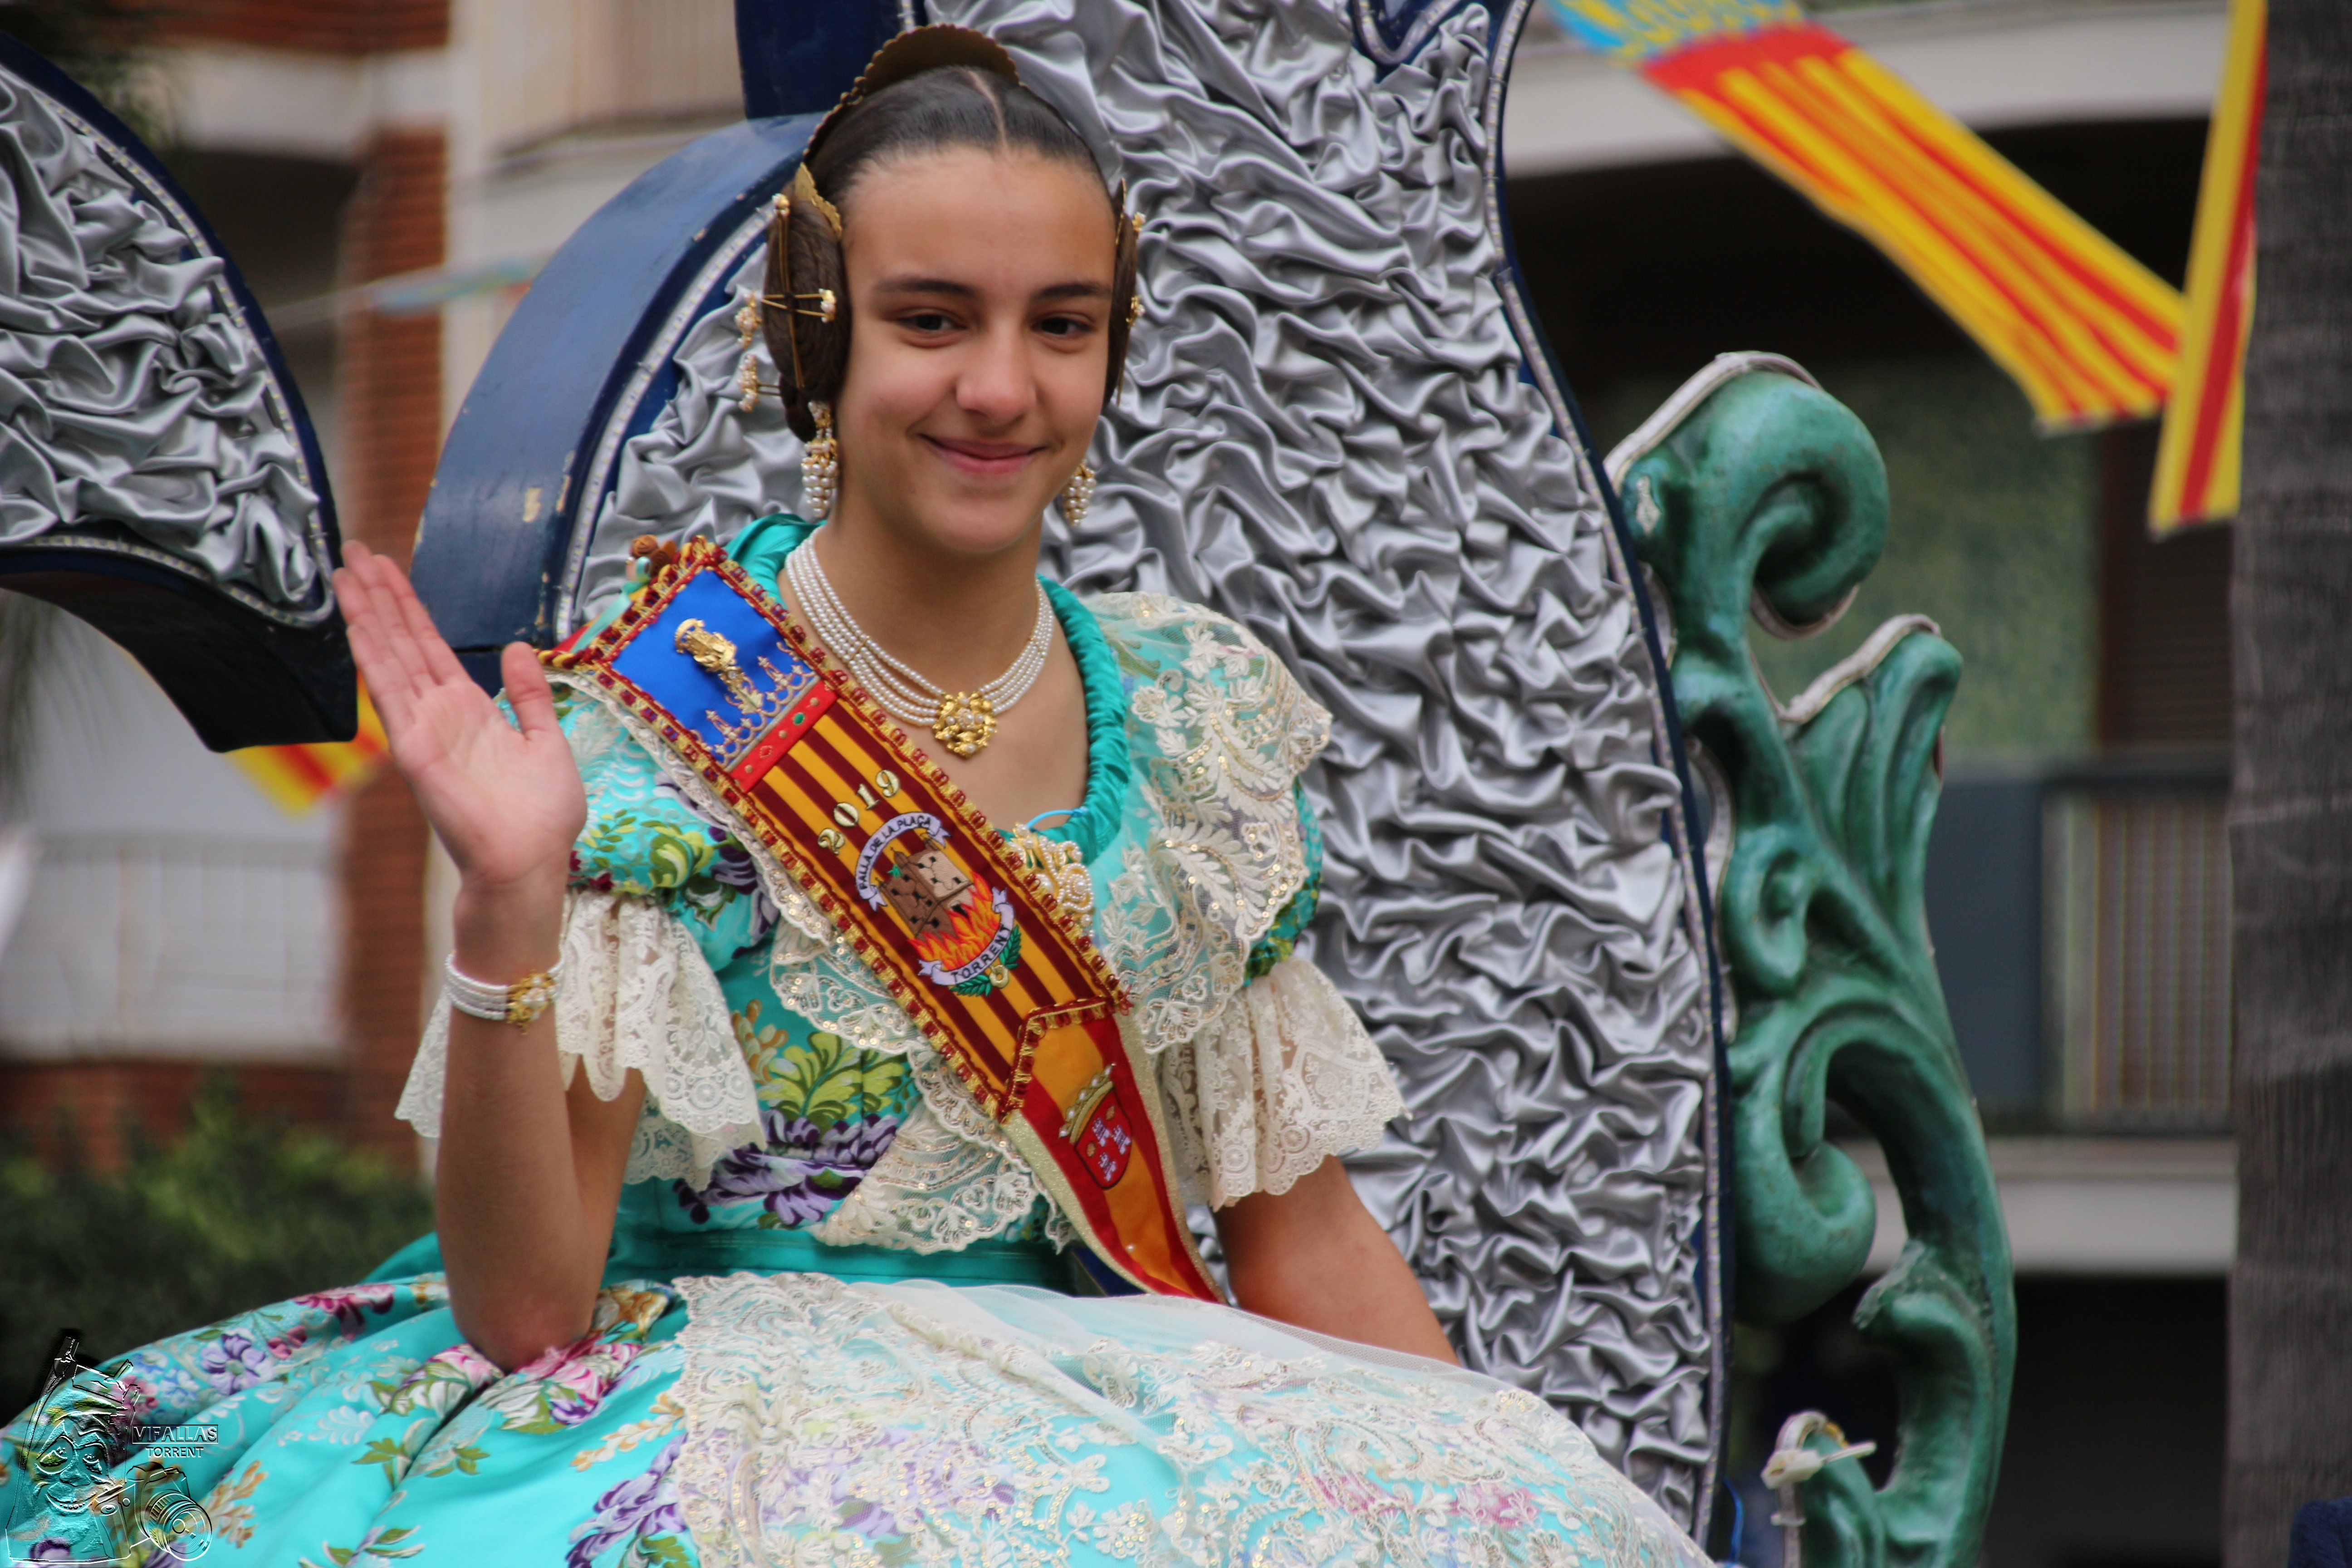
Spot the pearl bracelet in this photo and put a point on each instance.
(518, 1004)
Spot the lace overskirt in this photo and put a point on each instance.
(919, 1423)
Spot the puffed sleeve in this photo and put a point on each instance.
(660, 898)
(1284, 1076)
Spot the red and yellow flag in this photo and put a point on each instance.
(2089, 333)
(297, 778)
(2197, 459)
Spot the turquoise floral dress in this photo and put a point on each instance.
(840, 1323)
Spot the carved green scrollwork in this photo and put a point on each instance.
(1754, 495)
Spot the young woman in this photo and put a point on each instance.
(813, 1153)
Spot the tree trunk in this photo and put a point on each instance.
(2290, 1439)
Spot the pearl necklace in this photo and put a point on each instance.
(962, 722)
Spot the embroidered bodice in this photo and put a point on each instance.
(786, 1089)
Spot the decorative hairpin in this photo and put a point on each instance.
(825, 304)
(1133, 222)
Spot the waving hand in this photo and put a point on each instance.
(507, 802)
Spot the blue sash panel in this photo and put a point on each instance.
(769, 681)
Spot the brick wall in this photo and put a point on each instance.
(332, 26)
(392, 422)
(85, 1113)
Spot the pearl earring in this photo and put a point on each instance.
(1078, 493)
(821, 465)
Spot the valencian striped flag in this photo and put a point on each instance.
(297, 778)
(2197, 458)
(2089, 333)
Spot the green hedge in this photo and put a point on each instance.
(240, 1211)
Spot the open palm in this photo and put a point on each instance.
(506, 802)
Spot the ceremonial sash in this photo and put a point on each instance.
(1004, 983)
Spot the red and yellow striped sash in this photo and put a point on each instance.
(1005, 984)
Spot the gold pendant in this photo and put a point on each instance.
(966, 722)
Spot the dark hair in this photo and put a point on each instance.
(947, 106)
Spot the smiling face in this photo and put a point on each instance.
(981, 287)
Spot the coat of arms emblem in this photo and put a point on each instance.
(1097, 1126)
(964, 932)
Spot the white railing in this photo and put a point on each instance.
(220, 948)
(2137, 917)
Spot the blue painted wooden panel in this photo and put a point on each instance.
(799, 58)
(507, 497)
(586, 349)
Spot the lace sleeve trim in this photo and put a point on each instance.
(1285, 1078)
(637, 994)
(1220, 731)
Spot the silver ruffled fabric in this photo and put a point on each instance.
(1328, 433)
(131, 390)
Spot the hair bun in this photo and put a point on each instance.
(911, 53)
(804, 308)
